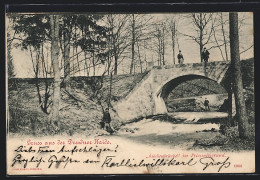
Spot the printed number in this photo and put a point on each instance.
(237, 165)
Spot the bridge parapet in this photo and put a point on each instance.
(191, 65)
(212, 70)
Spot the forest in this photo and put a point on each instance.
(60, 47)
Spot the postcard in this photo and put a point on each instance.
(130, 93)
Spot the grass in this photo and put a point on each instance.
(228, 140)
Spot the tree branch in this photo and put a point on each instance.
(247, 49)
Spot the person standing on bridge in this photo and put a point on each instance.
(206, 104)
(180, 57)
(205, 55)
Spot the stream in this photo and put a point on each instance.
(191, 126)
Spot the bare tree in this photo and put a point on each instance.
(223, 23)
(163, 42)
(221, 35)
(41, 70)
(160, 37)
(172, 25)
(242, 26)
(141, 31)
(118, 36)
(139, 56)
(217, 42)
(220, 38)
(204, 29)
(237, 85)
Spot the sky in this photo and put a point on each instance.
(190, 49)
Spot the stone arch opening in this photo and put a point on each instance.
(189, 90)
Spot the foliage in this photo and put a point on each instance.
(35, 29)
(32, 123)
(10, 64)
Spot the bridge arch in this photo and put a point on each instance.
(162, 92)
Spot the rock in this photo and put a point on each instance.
(82, 127)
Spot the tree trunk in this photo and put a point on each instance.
(163, 45)
(237, 81)
(145, 56)
(108, 62)
(133, 44)
(140, 61)
(173, 41)
(93, 64)
(73, 64)
(116, 64)
(114, 45)
(10, 64)
(201, 37)
(160, 53)
(110, 91)
(54, 21)
(230, 108)
(86, 69)
(66, 60)
(224, 36)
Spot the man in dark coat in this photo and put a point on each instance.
(205, 55)
(180, 58)
(106, 121)
(206, 104)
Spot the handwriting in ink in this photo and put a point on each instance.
(58, 161)
(20, 160)
(110, 162)
(209, 161)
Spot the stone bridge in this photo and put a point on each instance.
(147, 98)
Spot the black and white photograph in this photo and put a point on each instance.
(130, 93)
